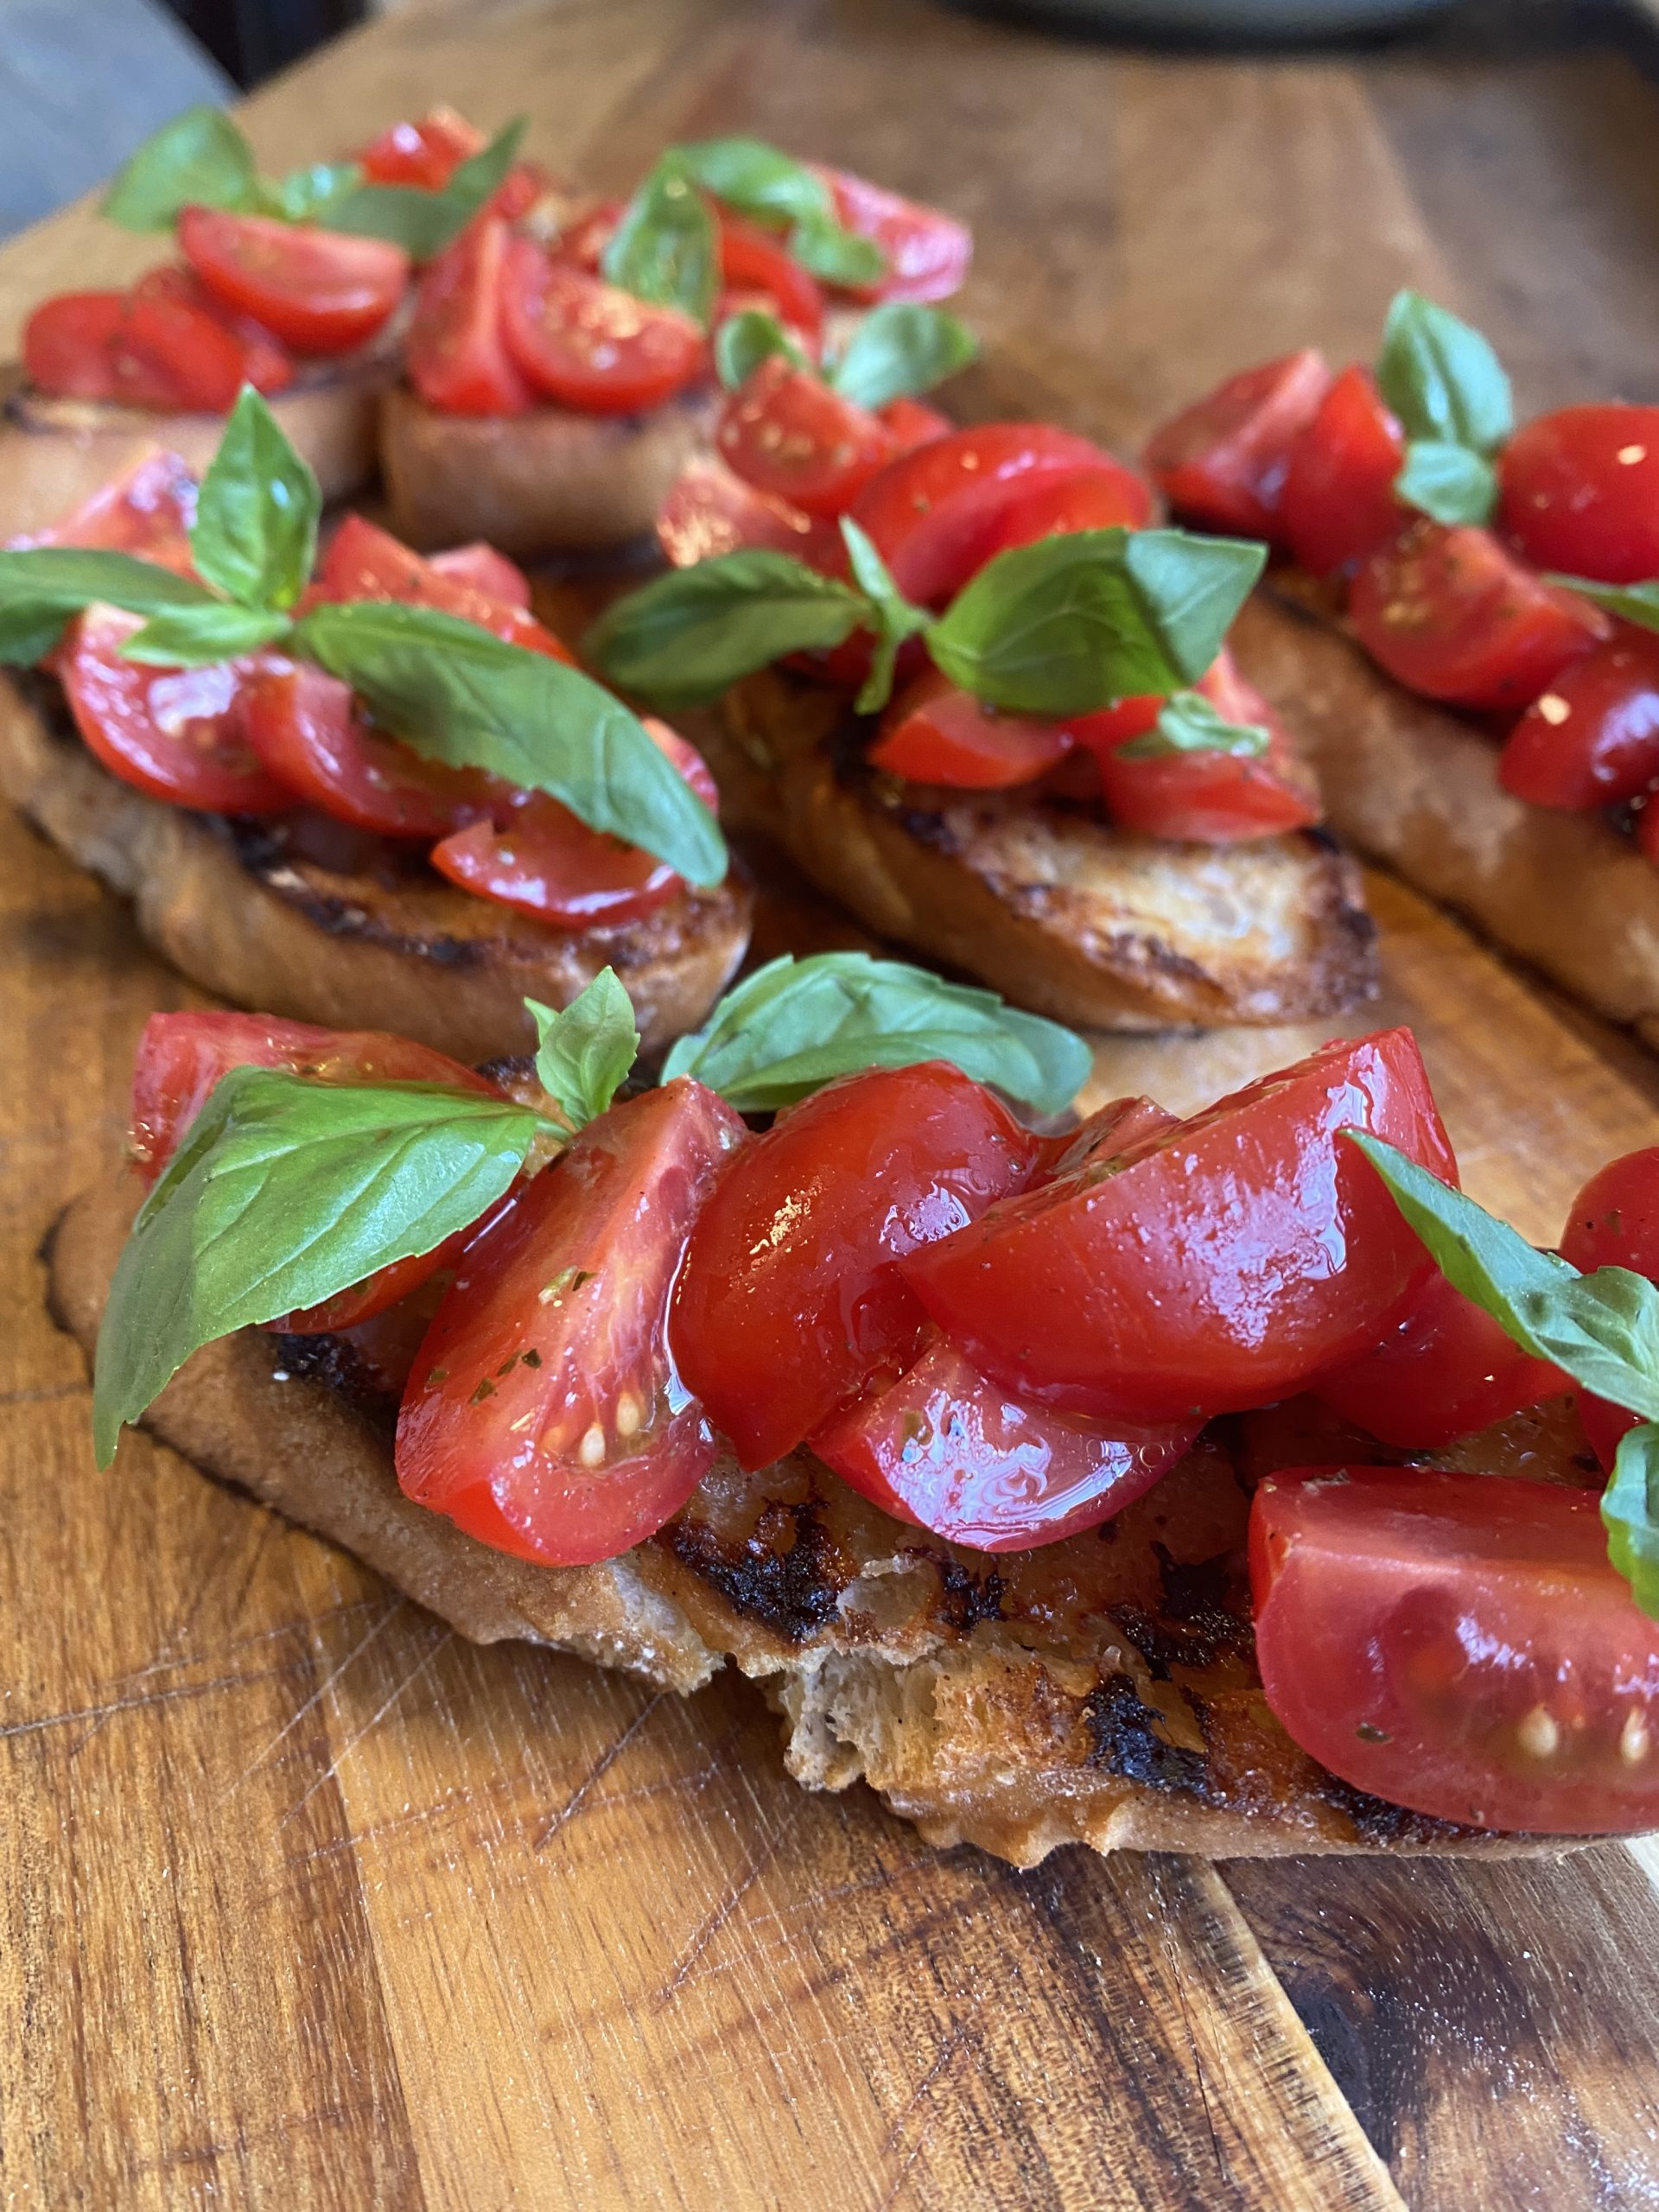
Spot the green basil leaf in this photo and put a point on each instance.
(284, 1193)
(1450, 484)
(896, 619)
(422, 221)
(901, 349)
(1072, 623)
(584, 1054)
(746, 340)
(195, 637)
(795, 1025)
(836, 256)
(457, 694)
(200, 159)
(43, 586)
(304, 196)
(682, 638)
(665, 250)
(757, 180)
(1637, 603)
(1441, 378)
(1630, 1513)
(255, 534)
(1189, 723)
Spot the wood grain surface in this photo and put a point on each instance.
(305, 1903)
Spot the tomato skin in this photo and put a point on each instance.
(485, 570)
(938, 1445)
(134, 349)
(1614, 1222)
(147, 510)
(928, 252)
(934, 734)
(1105, 495)
(68, 343)
(426, 152)
(708, 510)
(1338, 502)
(320, 291)
(787, 433)
(1219, 1265)
(1458, 1644)
(364, 561)
(910, 423)
(454, 352)
(1579, 492)
(1224, 460)
(789, 1296)
(753, 260)
(544, 1414)
(267, 365)
(586, 344)
(1448, 612)
(1592, 739)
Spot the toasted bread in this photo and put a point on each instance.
(371, 939)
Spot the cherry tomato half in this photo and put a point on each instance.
(1614, 1222)
(1579, 492)
(544, 1414)
(928, 252)
(320, 291)
(364, 561)
(1338, 502)
(1458, 1644)
(790, 1295)
(267, 365)
(1224, 460)
(708, 512)
(455, 351)
(754, 261)
(934, 734)
(134, 350)
(1218, 1265)
(426, 152)
(1452, 614)
(588, 345)
(786, 432)
(1592, 739)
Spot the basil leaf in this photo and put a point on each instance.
(757, 180)
(795, 1025)
(457, 694)
(1072, 623)
(1637, 603)
(255, 534)
(836, 256)
(898, 349)
(746, 340)
(584, 1054)
(43, 586)
(896, 619)
(1630, 1512)
(200, 159)
(195, 637)
(303, 195)
(665, 250)
(682, 638)
(1189, 723)
(1451, 483)
(284, 1193)
(420, 220)
(1441, 378)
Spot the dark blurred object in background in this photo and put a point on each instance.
(249, 39)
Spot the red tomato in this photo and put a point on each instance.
(544, 1414)
(787, 433)
(69, 347)
(1592, 739)
(710, 512)
(1459, 1644)
(364, 561)
(147, 510)
(586, 344)
(912, 423)
(927, 252)
(1579, 492)
(1338, 502)
(1445, 1371)
(174, 733)
(939, 1445)
(320, 291)
(933, 733)
(1453, 615)
(789, 1296)
(267, 365)
(1614, 1222)
(426, 152)
(933, 513)
(1222, 462)
(753, 260)
(1217, 1265)
(485, 570)
(1122, 1126)
(455, 351)
(1104, 496)
(133, 350)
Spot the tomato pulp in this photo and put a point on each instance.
(364, 561)
(456, 352)
(1224, 460)
(320, 291)
(927, 252)
(708, 510)
(1579, 492)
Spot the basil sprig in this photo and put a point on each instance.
(665, 249)
(771, 189)
(896, 620)
(255, 534)
(1445, 384)
(198, 159)
(42, 586)
(1637, 603)
(1630, 1513)
(1188, 723)
(583, 1054)
(425, 219)
(899, 349)
(746, 339)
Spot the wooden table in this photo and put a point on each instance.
(305, 1903)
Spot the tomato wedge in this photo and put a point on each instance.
(1614, 1222)
(939, 1445)
(267, 365)
(135, 350)
(1338, 502)
(426, 152)
(1579, 492)
(910, 423)
(1106, 495)
(320, 291)
(147, 510)
(754, 261)
(1215, 1265)
(455, 351)
(1224, 460)
(786, 432)
(789, 1296)
(928, 252)
(710, 512)
(544, 1414)
(364, 561)
(586, 344)
(1592, 739)
(1458, 1644)
(933, 733)
(485, 570)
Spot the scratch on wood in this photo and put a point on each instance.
(179, 1692)
(607, 1759)
(317, 1695)
(964, 2033)
(331, 1772)
(685, 1967)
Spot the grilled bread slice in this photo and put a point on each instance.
(301, 918)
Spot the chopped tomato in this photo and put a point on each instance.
(788, 433)
(1459, 1644)
(485, 570)
(1592, 739)
(1217, 1265)
(267, 365)
(320, 291)
(544, 1414)
(1579, 492)
(147, 510)
(910, 423)
(789, 1296)
(426, 152)
(939, 1445)
(133, 350)
(1104, 496)
(1453, 615)
(174, 733)
(1224, 460)
(1614, 1222)
(754, 261)
(455, 351)
(928, 252)
(1122, 1126)
(583, 239)
(710, 512)
(934, 734)
(1338, 502)
(364, 561)
(588, 345)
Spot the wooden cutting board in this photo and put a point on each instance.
(305, 1903)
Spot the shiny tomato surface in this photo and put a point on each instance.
(1459, 1644)
(1454, 615)
(485, 570)
(757, 262)
(928, 252)
(364, 561)
(147, 510)
(934, 734)
(787, 433)
(1224, 460)
(790, 1296)
(267, 365)
(1105, 495)
(708, 510)
(455, 351)
(134, 350)
(1339, 503)
(544, 1414)
(1579, 492)
(425, 152)
(320, 291)
(1592, 739)
(1217, 1265)
(938, 1444)
(912, 422)
(1614, 1222)
(588, 345)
